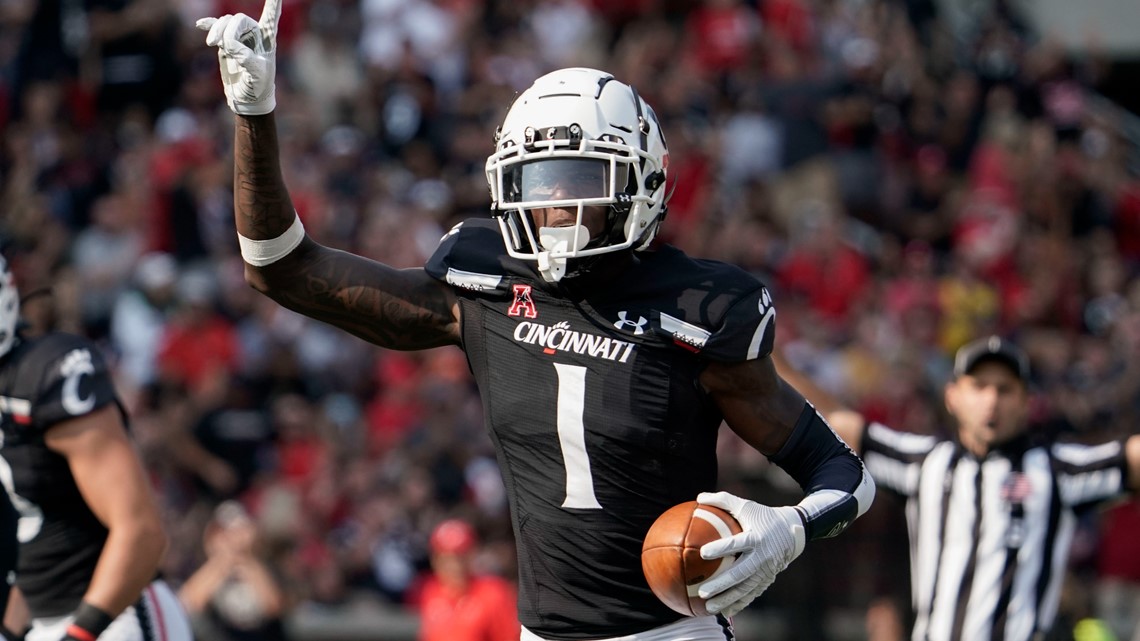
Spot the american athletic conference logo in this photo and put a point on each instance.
(625, 323)
(523, 304)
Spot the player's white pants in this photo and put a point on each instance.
(158, 616)
(688, 629)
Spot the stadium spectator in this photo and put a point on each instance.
(458, 603)
(234, 596)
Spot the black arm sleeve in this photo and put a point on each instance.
(837, 486)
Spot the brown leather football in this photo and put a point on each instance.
(671, 555)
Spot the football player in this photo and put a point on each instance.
(8, 547)
(606, 362)
(90, 537)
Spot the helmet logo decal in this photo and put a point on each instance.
(523, 304)
(624, 323)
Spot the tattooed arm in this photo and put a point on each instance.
(395, 308)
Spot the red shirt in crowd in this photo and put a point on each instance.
(191, 353)
(484, 612)
(722, 36)
(831, 284)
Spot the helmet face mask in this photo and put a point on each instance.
(578, 139)
(9, 308)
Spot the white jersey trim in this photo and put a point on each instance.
(472, 280)
(165, 620)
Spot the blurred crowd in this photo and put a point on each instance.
(901, 181)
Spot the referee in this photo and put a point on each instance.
(991, 514)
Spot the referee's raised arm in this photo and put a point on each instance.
(1132, 455)
(847, 423)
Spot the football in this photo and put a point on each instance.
(671, 555)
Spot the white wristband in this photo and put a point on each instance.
(260, 253)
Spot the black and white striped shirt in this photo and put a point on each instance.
(990, 537)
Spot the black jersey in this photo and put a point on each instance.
(593, 402)
(45, 381)
(8, 546)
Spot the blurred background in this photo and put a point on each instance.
(904, 174)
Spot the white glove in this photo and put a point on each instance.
(247, 55)
(772, 537)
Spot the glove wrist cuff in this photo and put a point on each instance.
(794, 519)
(260, 108)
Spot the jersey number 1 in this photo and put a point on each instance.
(572, 437)
(31, 516)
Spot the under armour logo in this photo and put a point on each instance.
(625, 323)
(839, 527)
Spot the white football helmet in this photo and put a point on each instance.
(592, 139)
(9, 307)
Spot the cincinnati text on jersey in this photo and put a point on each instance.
(560, 338)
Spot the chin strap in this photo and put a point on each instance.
(561, 240)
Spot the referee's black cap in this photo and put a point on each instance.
(991, 348)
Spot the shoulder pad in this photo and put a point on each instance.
(470, 256)
(747, 330)
(722, 312)
(63, 376)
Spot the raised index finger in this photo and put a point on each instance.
(270, 15)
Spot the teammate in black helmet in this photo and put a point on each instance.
(90, 536)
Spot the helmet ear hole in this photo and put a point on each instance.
(654, 180)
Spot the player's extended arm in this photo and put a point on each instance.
(112, 481)
(771, 416)
(394, 308)
(846, 422)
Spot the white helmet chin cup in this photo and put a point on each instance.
(578, 138)
(9, 308)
